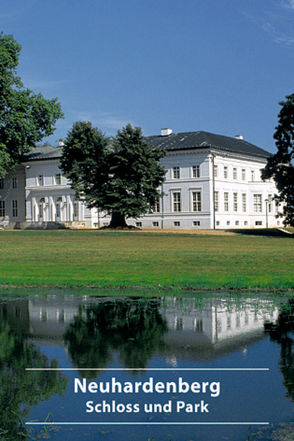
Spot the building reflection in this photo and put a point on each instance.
(196, 329)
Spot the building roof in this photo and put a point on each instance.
(176, 142)
(197, 140)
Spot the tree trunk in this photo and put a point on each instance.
(117, 220)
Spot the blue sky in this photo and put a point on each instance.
(216, 65)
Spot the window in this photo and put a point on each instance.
(196, 171)
(198, 325)
(229, 323)
(237, 223)
(14, 182)
(235, 199)
(156, 207)
(245, 222)
(76, 210)
(14, 208)
(257, 203)
(177, 224)
(269, 207)
(1, 184)
(226, 172)
(217, 223)
(155, 224)
(258, 223)
(226, 201)
(228, 222)
(58, 179)
(196, 223)
(138, 224)
(176, 172)
(58, 207)
(41, 207)
(2, 208)
(216, 201)
(179, 324)
(244, 202)
(252, 175)
(243, 174)
(40, 180)
(196, 201)
(177, 206)
(215, 171)
(234, 173)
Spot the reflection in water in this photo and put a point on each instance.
(283, 332)
(19, 390)
(133, 327)
(84, 331)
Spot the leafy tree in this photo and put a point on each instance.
(25, 117)
(280, 165)
(120, 176)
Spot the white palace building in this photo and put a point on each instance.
(212, 182)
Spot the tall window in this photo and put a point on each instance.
(244, 202)
(226, 172)
(40, 180)
(234, 173)
(177, 206)
(243, 174)
(58, 207)
(196, 201)
(252, 175)
(226, 201)
(196, 171)
(156, 206)
(215, 171)
(1, 184)
(58, 179)
(41, 208)
(2, 208)
(270, 200)
(257, 203)
(235, 200)
(176, 172)
(76, 210)
(14, 208)
(14, 182)
(216, 201)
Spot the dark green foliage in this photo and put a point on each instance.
(280, 166)
(282, 332)
(25, 117)
(19, 389)
(120, 176)
(133, 327)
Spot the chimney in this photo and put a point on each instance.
(239, 137)
(166, 132)
(60, 143)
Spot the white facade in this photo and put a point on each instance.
(204, 188)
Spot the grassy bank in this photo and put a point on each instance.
(145, 260)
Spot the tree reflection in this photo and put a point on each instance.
(20, 389)
(133, 327)
(283, 333)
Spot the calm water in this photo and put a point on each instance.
(131, 333)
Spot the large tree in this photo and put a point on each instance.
(280, 165)
(25, 117)
(120, 176)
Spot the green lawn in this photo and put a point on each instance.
(150, 260)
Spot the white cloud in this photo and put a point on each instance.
(277, 36)
(102, 120)
(288, 4)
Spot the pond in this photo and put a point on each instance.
(194, 368)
